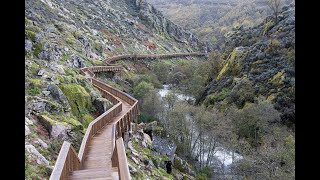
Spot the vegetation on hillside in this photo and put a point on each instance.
(212, 19)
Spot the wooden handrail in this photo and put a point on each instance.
(116, 92)
(96, 125)
(119, 159)
(67, 162)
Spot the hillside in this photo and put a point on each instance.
(211, 19)
(262, 58)
(63, 36)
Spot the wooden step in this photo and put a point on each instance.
(94, 165)
(92, 157)
(92, 175)
(98, 151)
(101, 172)
(93, 178)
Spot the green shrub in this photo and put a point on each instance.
(142, 89)
(34, 29)
(145, 118)
(86, 120)
(216, 97)
(30, 35)
(37, 49)
(33, 91)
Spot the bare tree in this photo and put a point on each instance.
(275, 7)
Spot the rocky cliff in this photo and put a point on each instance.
(259, 61)
(160, 24)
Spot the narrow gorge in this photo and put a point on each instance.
(125, 89)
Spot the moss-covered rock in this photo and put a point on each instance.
(277, 78)
(86, 120)
(67, 120)
(78, 98)
(47, 122)
(231, 64)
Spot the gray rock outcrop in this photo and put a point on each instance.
(39, 157)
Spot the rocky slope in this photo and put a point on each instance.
(211, 19)
(63, 36)
(259, 61)
(149, 151)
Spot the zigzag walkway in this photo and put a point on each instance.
(102, 152)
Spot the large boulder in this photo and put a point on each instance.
(60, 131)
(75, 61)
(56, 68)
(40, 105)
(58, 94)
(102, 105)
(56, 129)
(50, 52)
(40, 143)
(35, 153)
(164, 145)
(78, 98)
(182, 165)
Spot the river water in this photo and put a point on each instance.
(223, 155)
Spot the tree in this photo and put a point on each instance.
(171, 99)
(162, 70)
(142, 89)
(152, 104)
(253, 120)
(275, 7)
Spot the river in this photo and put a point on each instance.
(223, 155)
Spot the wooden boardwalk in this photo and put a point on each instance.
(102, 153)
